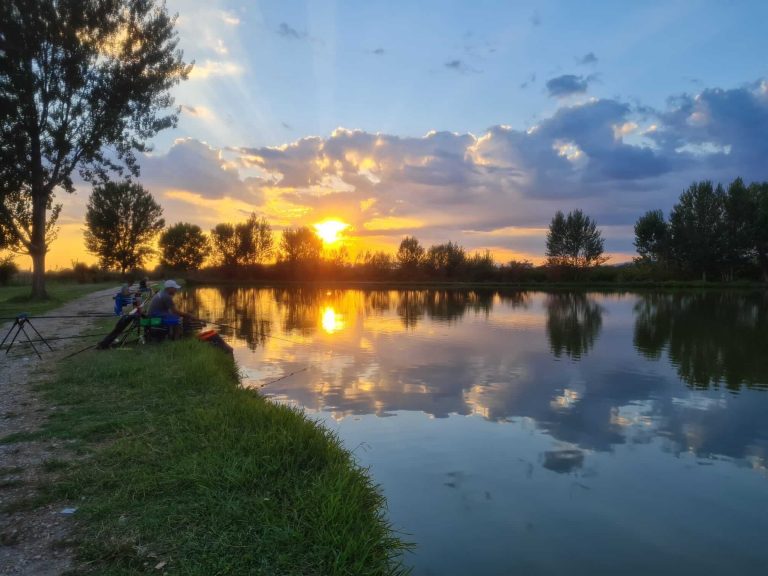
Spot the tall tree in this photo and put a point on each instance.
(225, 244)
(574, 241)
(652, 237)
(76, 77)
(410, 254)
(183, 246)
(300, 245)
(760, 191)
(255, 242)
(122, 220)
(698, 229)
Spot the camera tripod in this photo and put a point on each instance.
(17, 328)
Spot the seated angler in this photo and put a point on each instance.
(162, 306)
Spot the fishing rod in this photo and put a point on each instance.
(94, 315)
(60, 338)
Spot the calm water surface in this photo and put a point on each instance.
(534, 433)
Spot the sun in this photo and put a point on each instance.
(329, 230)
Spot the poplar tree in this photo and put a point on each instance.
(84, 84)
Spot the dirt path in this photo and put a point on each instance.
(37, 541)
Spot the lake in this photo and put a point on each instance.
(529, 432)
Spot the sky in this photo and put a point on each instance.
(465, 121)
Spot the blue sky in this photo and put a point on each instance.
(465, 121)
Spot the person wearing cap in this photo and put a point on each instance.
(162, 306)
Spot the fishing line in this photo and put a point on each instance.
(284, 377)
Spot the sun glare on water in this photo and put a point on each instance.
(329, 230)
(331, 321)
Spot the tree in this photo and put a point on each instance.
(301, 245)
(445, 259)
(183, 246)
(574, 241)
(244, 243)
(122, 219)
(410, 255)
(77, 77)
(652, 237)
(254, 240)
(699, 238)
(225, 244)
(760, 192)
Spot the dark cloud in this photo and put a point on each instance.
(287, 31)
(378, 52)
(567, 85)
(461, 67)
(719, 122)
(193, 166)
(588, 58)
(611, 158)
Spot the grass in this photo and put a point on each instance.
(15, 300)
(189, 469)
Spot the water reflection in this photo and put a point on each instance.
(712, 338)
(573, 323)
(443, 352)
(589, 453)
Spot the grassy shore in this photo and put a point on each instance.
(15, 299)
(187, 473)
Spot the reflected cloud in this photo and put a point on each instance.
(494, 354)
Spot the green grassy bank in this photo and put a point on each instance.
(15, 299)
(184, 467)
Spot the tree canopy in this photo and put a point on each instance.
(183, 246)
(244, 243)
(652, 237)
(301, 245)
(574, 241)
(83, 86)
(122, 220)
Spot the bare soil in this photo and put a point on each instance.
(37, 539)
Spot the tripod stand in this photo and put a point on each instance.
(18, 327)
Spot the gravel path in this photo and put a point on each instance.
(37, 541)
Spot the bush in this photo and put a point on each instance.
(8, 270)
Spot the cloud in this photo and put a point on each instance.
(194, 167)
(461, 67)
(611, 158)
(287, 31)
(215, 68)
(229, 18)
(588, 58)
(567, 85)
(731, 124)
(530, 80)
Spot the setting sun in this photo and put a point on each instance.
(329, 230)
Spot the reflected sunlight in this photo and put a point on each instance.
(331, 321)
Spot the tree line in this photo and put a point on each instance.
(712, 233)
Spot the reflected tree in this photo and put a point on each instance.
(712, 338)
(573, 323)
